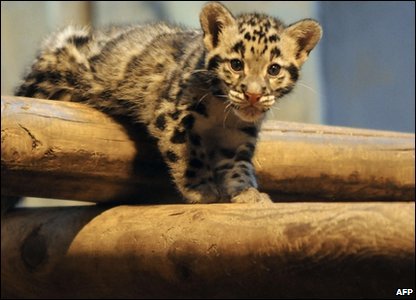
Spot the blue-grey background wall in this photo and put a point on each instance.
(368, 63)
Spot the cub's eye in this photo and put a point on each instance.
(273, 69)
(236, 64)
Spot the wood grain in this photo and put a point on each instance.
(71, 151)
(285, 250)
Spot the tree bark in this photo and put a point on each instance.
(70, 151)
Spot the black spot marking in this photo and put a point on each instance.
(177, 49)
(215, 31)
(188, 121)
(275, 52)
(78, 41)
(228, 153)
(252, 48)
(239, 47)
(159, 68)
(214, 62)
(36, 76)
(224, 167)
(172, 157)
(252, 22)
(267, 25)
(244, 155)
(177, 54)
(161, 122)
(235, 175)
(284, 91)
(264, 49)
(58, 94)
(94, 59)
(247, 36)
(190, 174)
(251, 131)
(69, 77)
(274, 38)
(106, 94)
(175, 115)
(179, 95)
(199, 108)
(31, 90)
(196, 163)
(259, 33)
(179, 137)
(293, 71)
(60, 51)
(250, 146)
(195, 139)
(51, 76)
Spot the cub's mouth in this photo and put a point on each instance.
(249, 113)
(249, 108)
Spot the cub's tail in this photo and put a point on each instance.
(61, 71)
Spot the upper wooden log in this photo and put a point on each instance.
(72, 151)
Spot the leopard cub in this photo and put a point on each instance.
(201, 93)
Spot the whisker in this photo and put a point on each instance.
(201, 70)
(308, 87)
(202, 99)
(226, 114)
(239, 101)
(228, 105)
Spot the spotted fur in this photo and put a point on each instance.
(201, 94)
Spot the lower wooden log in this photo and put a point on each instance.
(308, 250)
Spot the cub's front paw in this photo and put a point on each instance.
(251, 195)
(202, 193)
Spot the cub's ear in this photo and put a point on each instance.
(307, 34)
(214, 17)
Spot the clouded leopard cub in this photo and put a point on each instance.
(202, 94)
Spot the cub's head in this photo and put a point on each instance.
(255, 56)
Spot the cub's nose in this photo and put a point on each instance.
(252, 97)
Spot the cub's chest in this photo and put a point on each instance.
(218, 125)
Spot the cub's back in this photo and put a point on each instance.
(78, 63)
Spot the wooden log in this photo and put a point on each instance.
(284, 250)
(71, 151)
